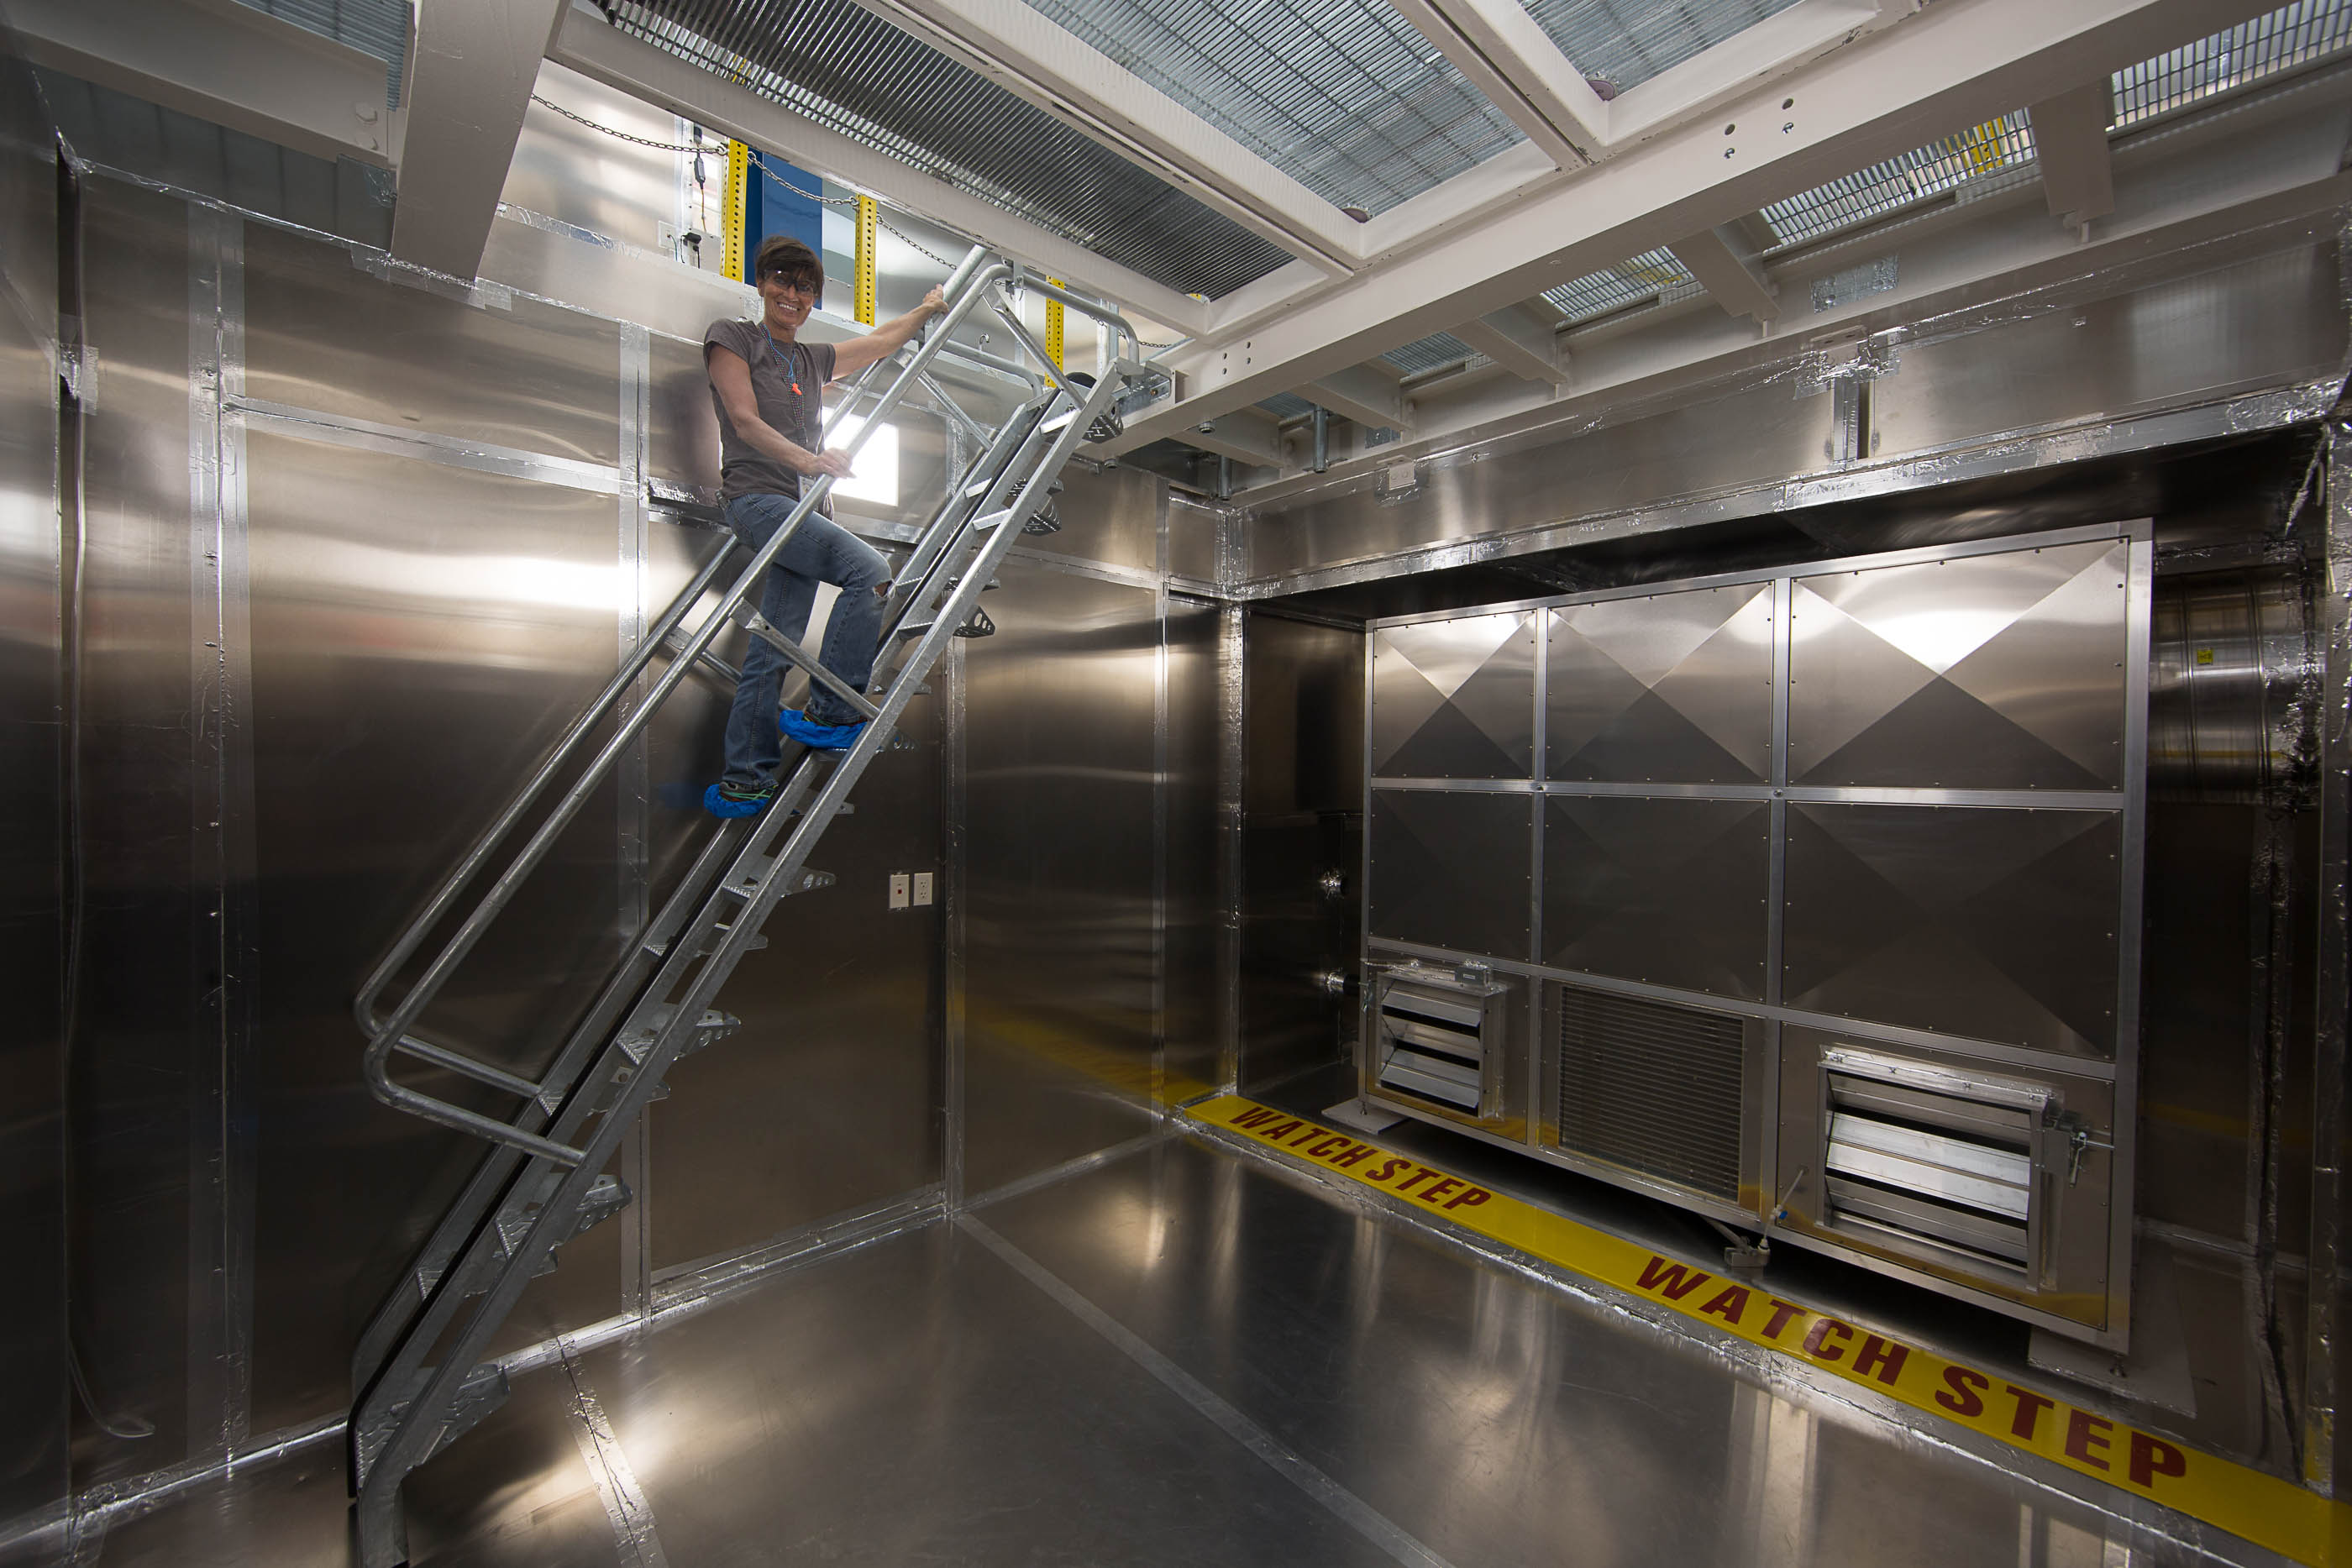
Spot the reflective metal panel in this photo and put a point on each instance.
(1060, 965)
(1454, 699)
(1672, 688)
(1113, 517)
(1451, 869)
(322, 333)
(34, 1436)
(2227, 718)
(1191, 915)
(2003, 672)
(681, 427)
(2271, 320)
(1669, 891)
(1989, 924)
(615, 188)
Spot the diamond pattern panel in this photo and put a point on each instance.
(1673, 688)
(2001, 671)
(1454, 699)
(1670, 890)
(1997, 924)
(1451, 869)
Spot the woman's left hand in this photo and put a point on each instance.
(936, 301)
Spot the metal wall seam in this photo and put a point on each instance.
(451, 451)
(2334, 974)
(221, 863)
(633, 786)
(1232, 717)
(1539, 771)
(953, 727)
(1160, 759)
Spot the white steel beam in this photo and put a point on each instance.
(1716, 260)
(1754, 55)
(586, 43)
(1514, 63)
(1245, 436)
(1515, 341)
(1957, 63)
(1015, 46)
(1369, 395)
(469, 83)
(221, 62)
(2070, 136)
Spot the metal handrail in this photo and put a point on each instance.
(968, 284)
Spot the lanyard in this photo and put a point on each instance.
(780, 353)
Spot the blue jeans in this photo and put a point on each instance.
(821, 550)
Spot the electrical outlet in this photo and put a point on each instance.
(922, 888)
(898, 889)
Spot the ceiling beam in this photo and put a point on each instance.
(1514, 63)
(1013, 45)
(226, 64)
(1364, 393)
(2069, 137)
(469, 83)
(1245, 436)
(1527, 348)
(588, 45)
(1717, 258)
(1957, 63)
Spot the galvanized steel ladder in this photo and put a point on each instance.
(419, 1376)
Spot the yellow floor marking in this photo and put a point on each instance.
(2264, 1509)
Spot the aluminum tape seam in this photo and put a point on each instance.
(632, 784)
(617, 1487)
(1368, 1522)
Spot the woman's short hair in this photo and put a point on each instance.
(782, 256)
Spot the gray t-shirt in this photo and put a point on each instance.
(788, 387)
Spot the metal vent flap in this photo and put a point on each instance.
(1934, 1157)
(1440, 1038)
(1653, 1087)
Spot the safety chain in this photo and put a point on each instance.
(762, 165)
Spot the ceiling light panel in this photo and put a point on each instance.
(2291, 36)
(857, 75)
(1342, 95)
(1961, 165)
(1627, 42)
(1632, 282)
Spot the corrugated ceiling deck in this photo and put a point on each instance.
(858, 75)
(1630, 41)
(378, 27)
(1342, 95)
(2291, 36)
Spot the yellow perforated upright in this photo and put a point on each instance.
(868, 237)
(738, 165)
(1054, 326)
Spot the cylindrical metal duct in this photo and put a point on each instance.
(2229, 709)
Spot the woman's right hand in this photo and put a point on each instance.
(815, 464)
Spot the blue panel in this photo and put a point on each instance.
(770, 208)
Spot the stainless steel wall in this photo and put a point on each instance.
(33, 1479)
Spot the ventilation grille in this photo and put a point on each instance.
(1653, 1087)
(1436, 1044)
(1909, 1158)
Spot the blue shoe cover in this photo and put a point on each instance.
(818, 736)
(716, 802)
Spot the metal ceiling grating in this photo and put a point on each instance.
(1437, 349)
(1288, 406)
(1630, 41)
(378, 27)
(1949, 163)
(858, 75)
(2291, 36)
(1342, 95)
(1630, 282)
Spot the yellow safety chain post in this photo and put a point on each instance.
(868, 239)
(739, 166)
(1054, 326)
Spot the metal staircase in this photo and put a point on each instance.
(419, 1376)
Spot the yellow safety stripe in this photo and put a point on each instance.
(2264, 1509)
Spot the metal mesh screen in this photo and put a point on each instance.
(1948, 163)
(1286, 405)
(1429, 353)
(2291, 36)
(1342, 95)
(1653, 1087)
(1630, 282)
(378, 27)
(1630, 43)
(855, 74)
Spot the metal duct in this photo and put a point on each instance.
(2228, 713)
(855, 74)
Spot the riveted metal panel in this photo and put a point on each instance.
(1664, 890)
(1454, 699)
(1666, 688)
(1451, 869)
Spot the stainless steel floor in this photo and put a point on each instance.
(1181, 1356)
